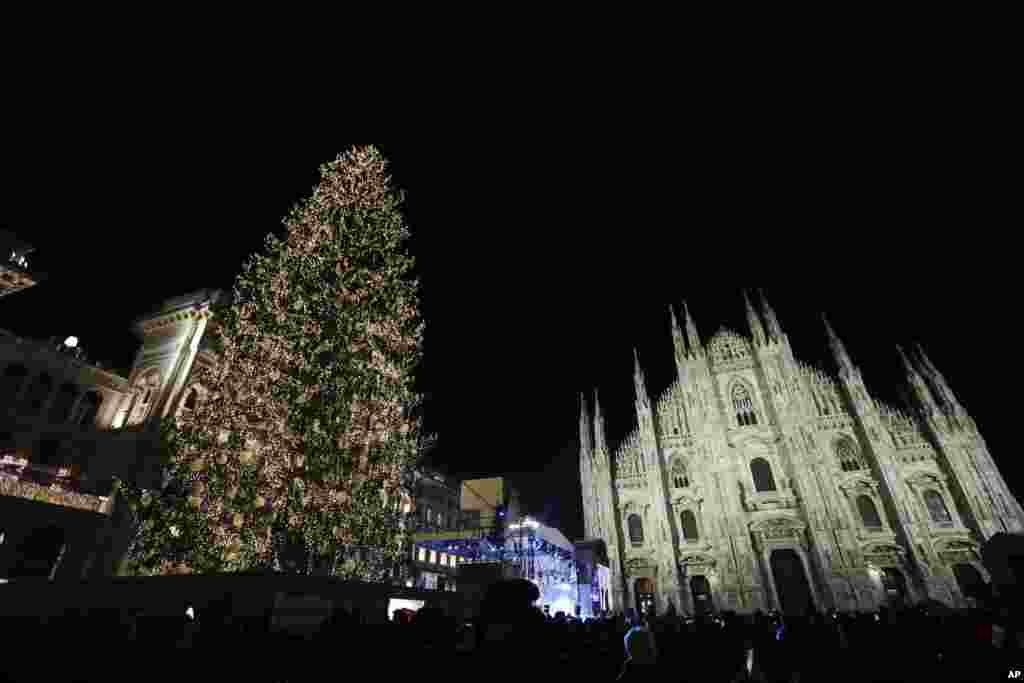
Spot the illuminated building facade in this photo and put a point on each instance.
(59, 453)
(758, 482)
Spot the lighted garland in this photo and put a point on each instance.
(305, 433)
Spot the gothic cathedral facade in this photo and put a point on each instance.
(758, 482)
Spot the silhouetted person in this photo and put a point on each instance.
(641, 655)
(511, 629)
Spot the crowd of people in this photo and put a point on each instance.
(513, 638)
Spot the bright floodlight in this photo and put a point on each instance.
(71, 342)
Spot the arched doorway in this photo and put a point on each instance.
(895, 586)
(644, 591)
(791, 584)
(971, 583)
(701, 591)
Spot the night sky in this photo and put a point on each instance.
(545, 257)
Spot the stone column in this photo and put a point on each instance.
(685, 595)
(771, 593)
(802, 552)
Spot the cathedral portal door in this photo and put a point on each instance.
(701, 591)
(895, 586)
(791, 583)
(644, 591)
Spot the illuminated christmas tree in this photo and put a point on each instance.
(295, 459)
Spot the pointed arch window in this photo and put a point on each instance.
(868, 512)
(680, 477)
(743, 405)
(761, 471)
(636, 529)
(849, 458)
(689, 524)
(936, 507)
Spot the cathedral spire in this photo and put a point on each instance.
(600, 445)
(908, 367)
(756, 328)
(918, 386)
(678, 341)
(642, 400)
(846, 366)
(774, 328)
(586, 430)
(923, 359)
(941, 386)
(692, 338)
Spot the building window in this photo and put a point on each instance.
(680, 477)
(422, 557)
(743, 405)
(689, 521)
(868, 512)
(454, 561)
(636, 529)
(762, 473)
(936, 507)
(147, 385)
(849, 460)
(444, 559)
(433, 557)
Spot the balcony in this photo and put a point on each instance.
(47, 484)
